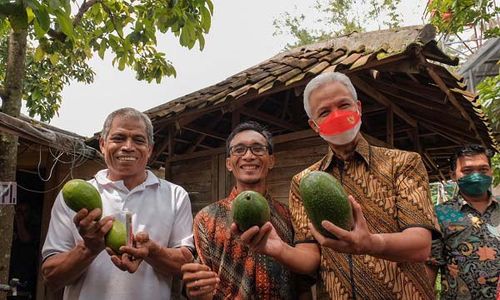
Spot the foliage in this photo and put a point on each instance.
(455, 16)
(489, 97)
(336, 18)
(64, 34)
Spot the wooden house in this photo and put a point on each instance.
(410, 100)
(47, 157)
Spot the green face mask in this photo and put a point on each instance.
(474, 184)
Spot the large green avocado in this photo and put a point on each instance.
(116, 236)
(325, 199)
(79, 194)
(250, 208)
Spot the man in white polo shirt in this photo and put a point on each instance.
(73, 255)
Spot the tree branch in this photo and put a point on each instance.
(58, 35)
(111, 16)
(83, 9)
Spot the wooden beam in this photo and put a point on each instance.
(415, 100)
(413, 134)
(206, 132)
(426, 156)
(235, 118)
(197, 154)
(373, 109)
(294, 136)
(453, 100)
(201, 137)
(170, 144)
(160, 146)
(408, 87)
(196, 112)
(443, 147)
(380, 98)
(285, 106)
(407, 65)
(265, 117)
(297, 135)
(456, 132)
(443, 133)
(390, 127)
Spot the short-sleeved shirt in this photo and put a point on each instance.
(243, 273)
(160, 208)
(468, 254)
(393, 190)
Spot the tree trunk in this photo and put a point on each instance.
(11, 105)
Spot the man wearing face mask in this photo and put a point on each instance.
(468, 254)
(383, 256)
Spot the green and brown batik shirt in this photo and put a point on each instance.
(468, 254)
(393, 190)
(243, 273)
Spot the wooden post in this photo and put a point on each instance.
(390, 127)
(170, 149)
(235, 118)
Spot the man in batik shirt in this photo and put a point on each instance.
(229, 269)
(468, 254)
(383, 256)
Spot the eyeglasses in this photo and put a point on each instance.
(240, 150)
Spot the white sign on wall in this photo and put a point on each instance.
(8, 193)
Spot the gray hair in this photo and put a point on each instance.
(132, 113)
(322, 79)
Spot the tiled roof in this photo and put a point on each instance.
(348, 53)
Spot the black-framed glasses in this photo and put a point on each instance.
(240, 150)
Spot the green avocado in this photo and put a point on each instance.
(250, 208)
(325, 199)
(116, 236)
(79, 194)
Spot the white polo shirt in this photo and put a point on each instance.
(162, 209)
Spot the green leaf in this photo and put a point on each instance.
(30, 14)
(42, 17)
(65, 23)
(39, 32)
(102, 49)
(121, 63)
(210, 6)
(201, 40)
(206, 19)
(39, 54)
(54, 58)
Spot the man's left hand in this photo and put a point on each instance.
(357, 241)
(131, 257)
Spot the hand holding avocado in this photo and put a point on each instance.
(357, 241)
(91, 229)
(262, 239)
(129, 258)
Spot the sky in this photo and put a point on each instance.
(241, 36)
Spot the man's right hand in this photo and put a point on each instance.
(200, 281)
(262, 239)
(91, 229)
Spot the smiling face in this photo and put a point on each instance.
(249, 170)
(126, 150)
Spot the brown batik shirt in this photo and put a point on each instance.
(243, 273)
(393, 190)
